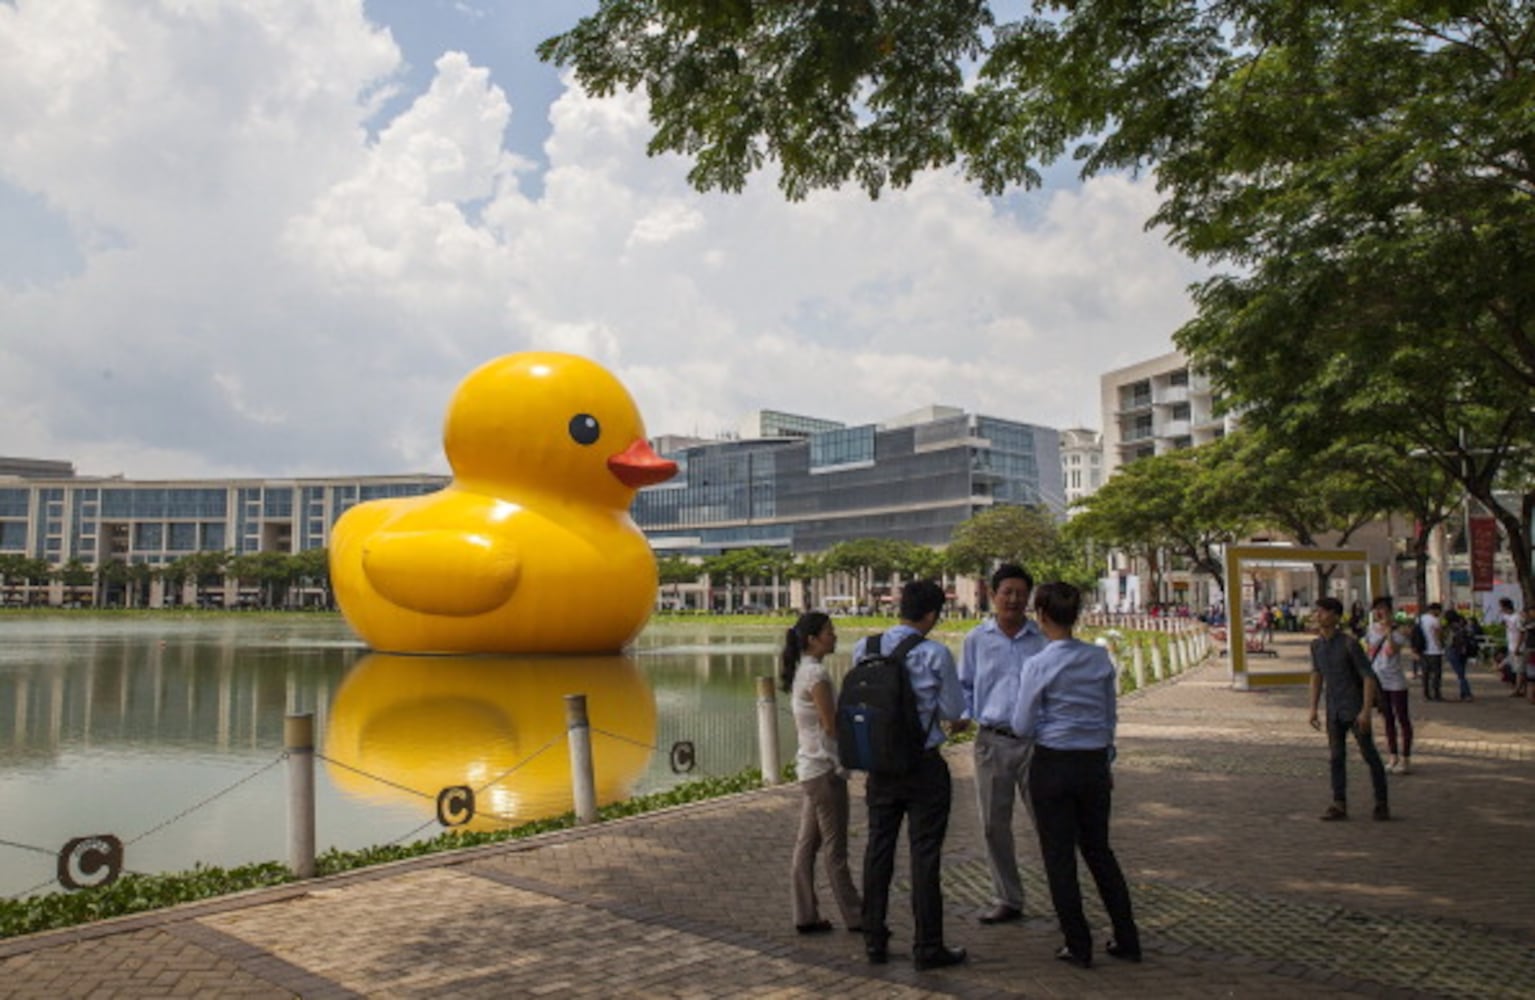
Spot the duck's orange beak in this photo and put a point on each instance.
(638, 465)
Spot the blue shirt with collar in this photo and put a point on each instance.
(934, 679)
(989, 668)
(1068, 697)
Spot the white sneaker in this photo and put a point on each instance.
(1406, 767)
(1393, 765)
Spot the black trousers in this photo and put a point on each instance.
(1433, 676)
(922, 799)
(1338, 731)
(1072, 793)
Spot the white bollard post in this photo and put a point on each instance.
(767, 730)
(583, 785)
(1177, 660)
(1138, 659)
(298, 742)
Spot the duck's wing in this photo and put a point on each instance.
(440, 572)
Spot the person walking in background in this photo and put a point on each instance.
(1513, 644)
(989, 668)
(1338, 664)
(824, 816)
(1356, 620)
(1433, 653)
(922, 797)
(1068, 704)
(1384, 641)
(1524, 662)
(1459, 648)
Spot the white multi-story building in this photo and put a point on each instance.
(1157, 406)
(1081, 463)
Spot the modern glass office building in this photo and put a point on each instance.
(915, 479)
(814, 484)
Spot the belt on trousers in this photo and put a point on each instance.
(1001, 731)
(1044, 751)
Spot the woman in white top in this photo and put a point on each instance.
(824, 818)
(1384, 641)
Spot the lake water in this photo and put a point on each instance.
(122, 725)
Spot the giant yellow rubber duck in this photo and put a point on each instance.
(494, 724)
(531, 548)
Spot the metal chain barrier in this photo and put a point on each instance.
(104, 854)
(447, 796)
(383, 781)
(682, 757)
(216, 795)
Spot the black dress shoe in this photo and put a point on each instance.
(1123, 954)
(940, 959)
(1065, 954)
(1002, 914)
(814, 927)
(878, 954)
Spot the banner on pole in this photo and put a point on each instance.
(1484, 546)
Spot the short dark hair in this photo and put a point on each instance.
(1383, 601)
(1506, 602)
(1059, 602)
(1011, 571)
(1330, 604)
(1435, 607)
(919, 598)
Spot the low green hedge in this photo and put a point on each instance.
(137, 893)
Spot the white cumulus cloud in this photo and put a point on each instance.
(279, 277)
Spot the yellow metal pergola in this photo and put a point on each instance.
(1238, 557)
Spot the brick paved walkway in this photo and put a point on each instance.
(1239, 890)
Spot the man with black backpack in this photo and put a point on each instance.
(912, 785)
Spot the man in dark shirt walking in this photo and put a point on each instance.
(1339, 664)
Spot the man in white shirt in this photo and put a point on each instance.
(1514, 633)
(1433, 653)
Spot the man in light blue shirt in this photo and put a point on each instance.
(921, 797)
(1068, 705)
(989, 670)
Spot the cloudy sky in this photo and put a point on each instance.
(268, 237)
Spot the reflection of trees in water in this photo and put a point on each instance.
(208, 690)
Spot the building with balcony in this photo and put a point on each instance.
(1154, 407)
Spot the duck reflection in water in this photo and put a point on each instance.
(429, 723)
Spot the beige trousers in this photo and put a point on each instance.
(823, 822)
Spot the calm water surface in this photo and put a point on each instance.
(120, 726)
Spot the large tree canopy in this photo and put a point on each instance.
(1362, 171)
(1177, 501)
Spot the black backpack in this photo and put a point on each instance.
(878, 728)
(1462, 639)
(1418, 640)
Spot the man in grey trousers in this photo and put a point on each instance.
(990, 666)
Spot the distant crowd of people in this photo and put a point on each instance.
(1365, 667)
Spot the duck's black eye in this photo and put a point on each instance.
(584, 428)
